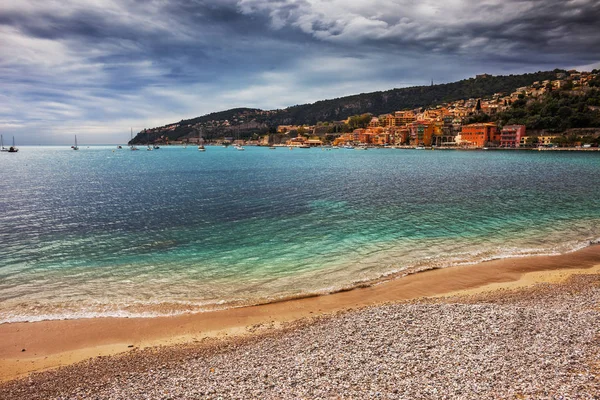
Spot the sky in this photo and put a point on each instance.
(98, 68)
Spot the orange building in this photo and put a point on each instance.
(402, 136)
(390, 120)
(404, 117)
(480, 135)
(421, 133)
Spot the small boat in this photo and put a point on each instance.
(156, 147)
(75, 147)
(2, 148)
(240, 148)
(119, 147)
(304, 146)
(132, 147)
(149, 147)
(272, 147)
(200, 145)
(360, 148)
(420, 148)
(13, 148)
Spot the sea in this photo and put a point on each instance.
(103, 232)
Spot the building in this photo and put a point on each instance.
(421, 133)
(390, 120)
(296, 141)
(511, 135)
(404, 117)
(443, 132)
(546, 140)
(480, 135)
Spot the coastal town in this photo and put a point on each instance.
(462, 124)
(444, 125)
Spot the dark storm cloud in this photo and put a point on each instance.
(494, 29)
(158, 61)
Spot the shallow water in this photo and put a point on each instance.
(106, 232)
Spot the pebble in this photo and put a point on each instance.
(540, 343)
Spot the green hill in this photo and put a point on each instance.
(246, 122)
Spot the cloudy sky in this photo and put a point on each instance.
(95, 68)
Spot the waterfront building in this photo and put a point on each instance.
(421, 133)
(546, 140)
(297, 141)
(400, 135)
(511, 135)
(443, 132)
(480, 135)
(314, 142)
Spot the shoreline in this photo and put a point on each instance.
(50, 344)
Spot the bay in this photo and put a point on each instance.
(107, 232)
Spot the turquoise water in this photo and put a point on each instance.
(106, 232)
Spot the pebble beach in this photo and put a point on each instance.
(540, 343)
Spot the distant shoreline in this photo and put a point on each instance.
(587, 149)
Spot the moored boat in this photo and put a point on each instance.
(132, 147)
(13, 148)
(2, 148)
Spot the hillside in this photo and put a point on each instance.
(245, 122)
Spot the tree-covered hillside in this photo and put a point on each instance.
(245, 122)
(407, 98)
(556, 111)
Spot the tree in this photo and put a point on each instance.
(532, 140)
(559, 141)
(568, 85)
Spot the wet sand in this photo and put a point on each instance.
(49, 344)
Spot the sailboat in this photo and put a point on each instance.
(150, 148)
(132, 147)
(200, 145)
(2, 148)
(75, 147)
(13, 148)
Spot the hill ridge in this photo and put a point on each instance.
(243, 122)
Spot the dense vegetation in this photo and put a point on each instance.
(244, 122)
(409, 98)
(556, 111)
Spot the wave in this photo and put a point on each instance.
(166, 308)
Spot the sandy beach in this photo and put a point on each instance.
(526, 327)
